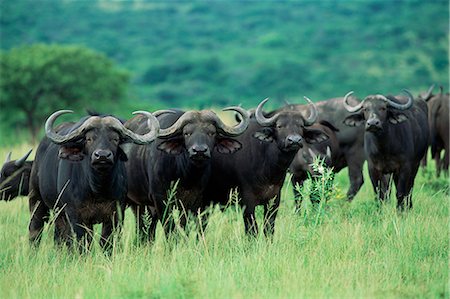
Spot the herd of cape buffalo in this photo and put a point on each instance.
(88, 172)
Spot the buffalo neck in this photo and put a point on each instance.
(107, 183)
(275, 162)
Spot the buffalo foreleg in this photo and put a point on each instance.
(380, 183)
(404, 181)
(355, 173)
(39, 215)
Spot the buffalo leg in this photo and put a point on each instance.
(355, 174)
(270, 214)
(446, 160)
(438, 160)
(39, 215)
(404, 181)
(380, 183)
(108, 227)
(63, 232)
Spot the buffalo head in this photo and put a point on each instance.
(376, 111)
(14, 177)
(98, 138)
(288, 128)
(199, 132)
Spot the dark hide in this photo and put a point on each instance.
(154, 168)
(14, 180)
(258, 170)
(438, 118)
(82, 191)
(394, 142)
(301, 168)
(350, 140)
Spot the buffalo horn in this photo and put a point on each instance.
(398, 106)
(351, 108)
(313, 116)
(109, 121)
(428, 94)
(8, 157)
(21, 161)
(261, 119)
(239, 128)
(60, 139)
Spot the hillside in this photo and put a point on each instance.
(217, 53)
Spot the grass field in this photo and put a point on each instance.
(354, 250)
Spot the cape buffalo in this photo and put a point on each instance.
(14, 177)
(328, 151)
(182, 154)
(395, 140)
(350, 140)
(438, 119)
(79, 172)
(258, 170)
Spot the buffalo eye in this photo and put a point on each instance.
(279, 126)
(382, 108)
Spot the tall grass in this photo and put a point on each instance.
(357, 249)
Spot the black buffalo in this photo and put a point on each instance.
(14, 177)
(79, 172)
(181, 154)
(327, 151)
(438, 119)
(350, 140)
(258, 170)
(395, 140)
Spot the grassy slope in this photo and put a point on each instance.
(357, 251)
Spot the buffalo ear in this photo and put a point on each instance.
(121, 154)
(314, 136)
(71, 153)
(354, 120)
(171, 146)
(264, 134)
(228, 145)
(396, 118)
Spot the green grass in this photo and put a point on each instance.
(357, 250)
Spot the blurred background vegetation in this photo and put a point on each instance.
(120, 56)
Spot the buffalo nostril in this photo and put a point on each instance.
(200, 149)
(102, 154)
(293, 139)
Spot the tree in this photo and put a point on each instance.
(39, 79)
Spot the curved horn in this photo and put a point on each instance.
(429, 93)
(8, 157)
(153, 124)
(313, 116)
(160, 112)
(60, 139)
(174, 128)
(351, 108)
(21, 161)
(261, 119)
(398, 106)
(239, 128)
